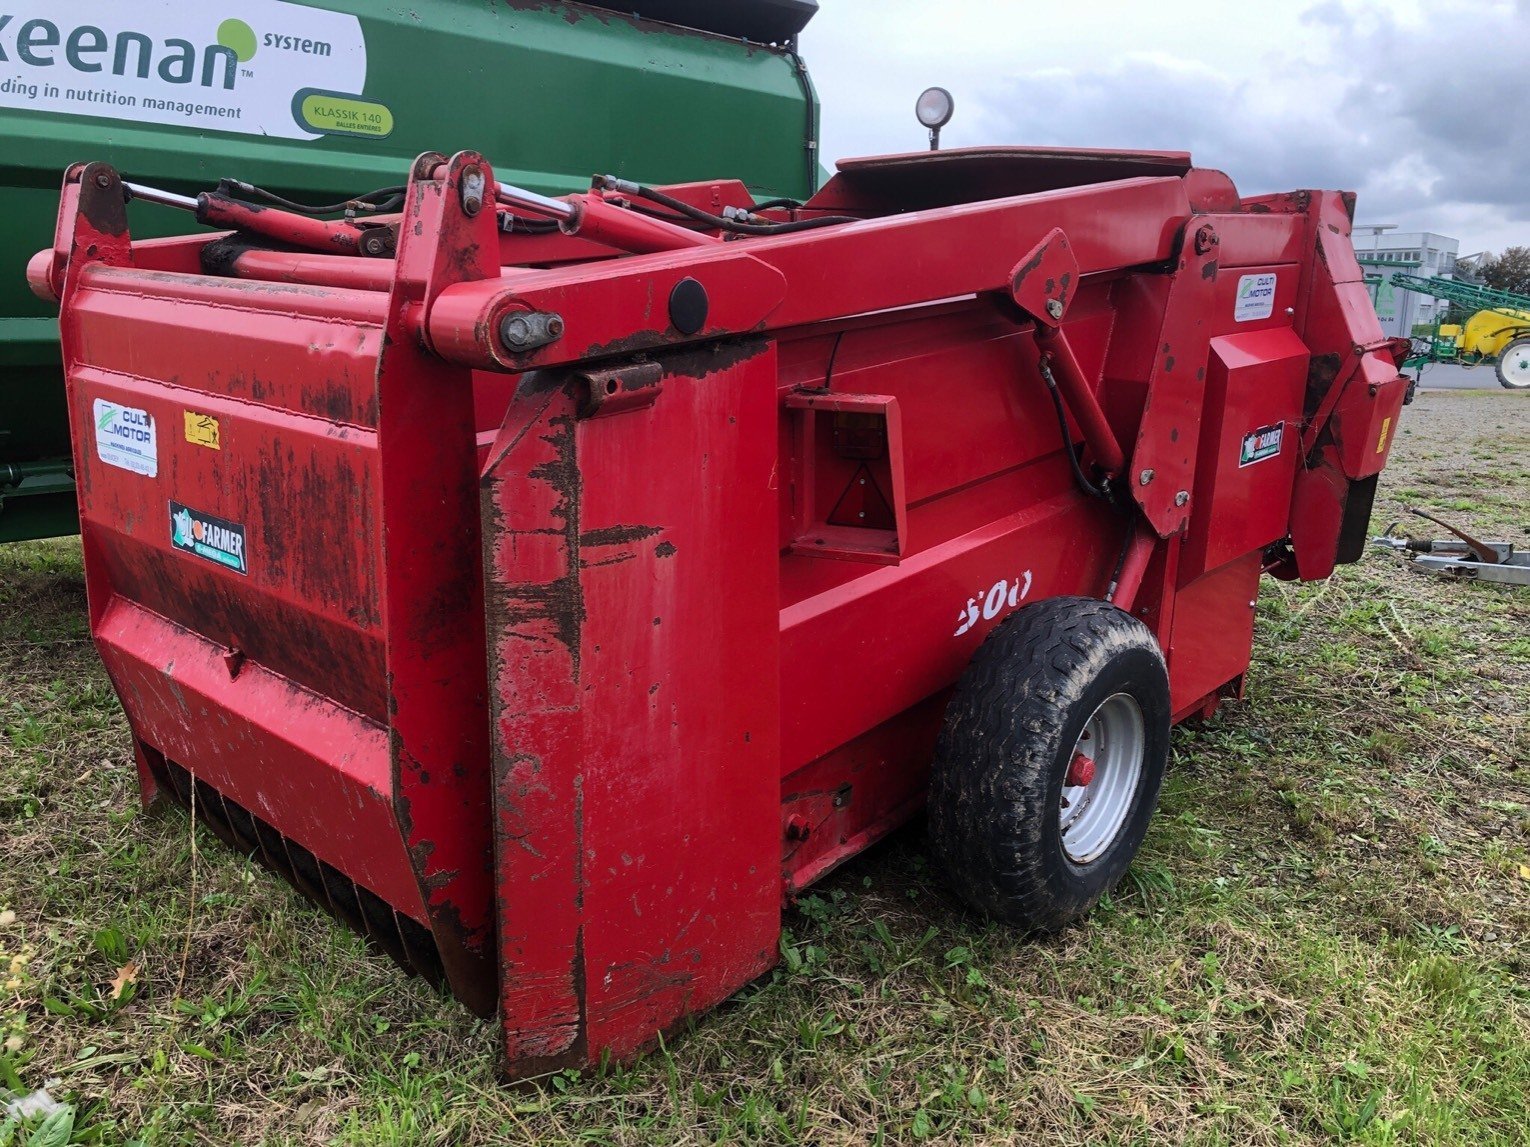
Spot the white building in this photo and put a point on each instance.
(1383, 250)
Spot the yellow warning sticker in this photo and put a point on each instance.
(202, 430)
(1386, 429)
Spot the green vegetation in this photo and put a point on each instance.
(1326, 939)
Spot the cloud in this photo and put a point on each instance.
(1331, 14)
(1419, 110)
(1156, 103)
(1456, 101)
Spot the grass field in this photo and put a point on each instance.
(1326, 938)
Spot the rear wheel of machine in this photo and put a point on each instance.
(1048, 767)
(1514, 365)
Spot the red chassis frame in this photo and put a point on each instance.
(555, 668)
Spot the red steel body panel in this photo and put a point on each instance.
(557, 667)
(432, 586)
(636, 719)
(1213, 633)
(1255, 382)
(329, 764)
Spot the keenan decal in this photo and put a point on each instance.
(220, 66)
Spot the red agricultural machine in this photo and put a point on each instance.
(552, 588)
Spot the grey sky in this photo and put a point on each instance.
(1421, 108)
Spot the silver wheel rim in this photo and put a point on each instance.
(1516, 365)
(1115, 740)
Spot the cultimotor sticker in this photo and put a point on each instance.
(1261, 444)
(214, 66)
(126, 437)
(1256, 298)
(215, 539)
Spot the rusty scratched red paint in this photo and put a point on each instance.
(589, 867)
(433, 587)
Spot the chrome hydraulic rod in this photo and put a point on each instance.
(519, 197)
(155, 195)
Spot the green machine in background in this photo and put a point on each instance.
(325, 101)
(1497, 329)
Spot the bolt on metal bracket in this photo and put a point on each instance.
(522, 331)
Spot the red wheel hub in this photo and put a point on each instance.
(1080, 772)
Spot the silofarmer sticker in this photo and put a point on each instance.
(216, 539)
(1261, 444)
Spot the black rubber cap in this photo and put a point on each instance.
(688, 306)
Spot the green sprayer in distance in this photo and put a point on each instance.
(320, 102)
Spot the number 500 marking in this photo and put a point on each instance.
(986, 607)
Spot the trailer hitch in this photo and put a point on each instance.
(1463, 556)
(1484, 551)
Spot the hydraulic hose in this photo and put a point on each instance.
(719, 222)
(381, 200)
(1101, 492)
(384, 199)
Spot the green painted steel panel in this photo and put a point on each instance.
(551, 93)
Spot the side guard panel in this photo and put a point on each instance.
(636, 766)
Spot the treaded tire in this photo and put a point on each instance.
(1009, 737)
(1520, 350)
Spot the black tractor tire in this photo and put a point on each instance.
(1514, 365)
(1011, 730)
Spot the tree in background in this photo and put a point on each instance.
(1507, 272)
